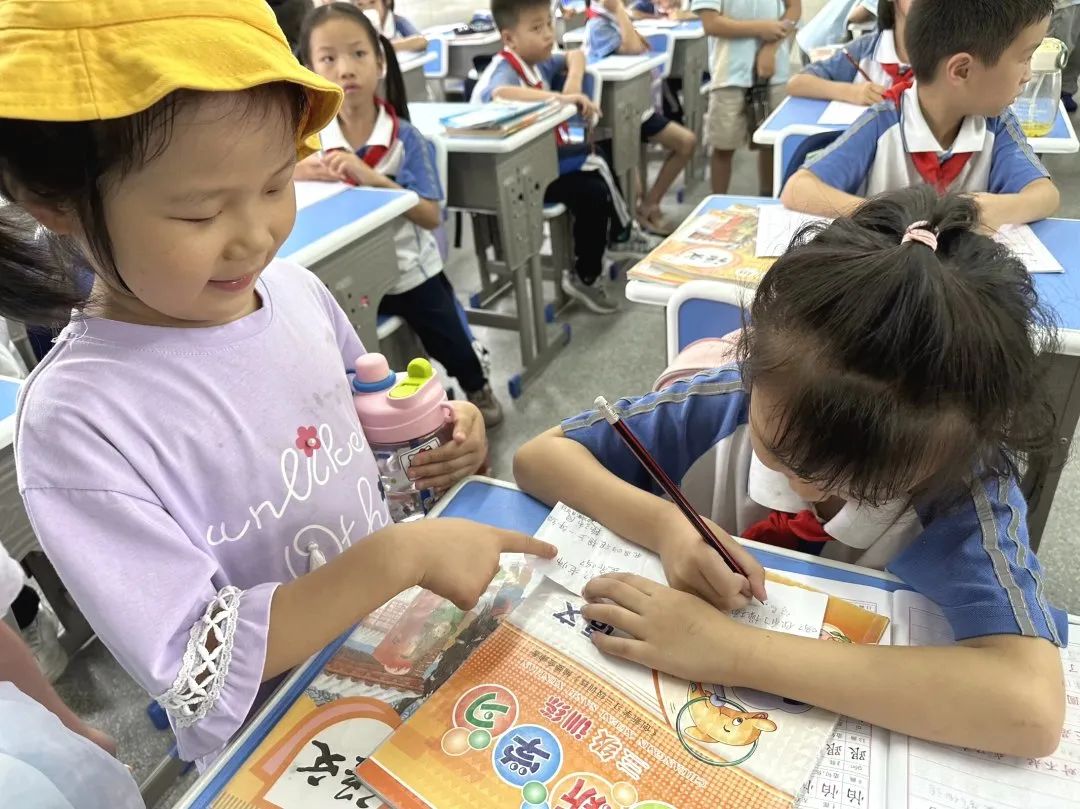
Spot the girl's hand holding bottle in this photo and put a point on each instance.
(441, 468)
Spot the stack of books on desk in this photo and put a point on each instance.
(714, 246)
(499, 119)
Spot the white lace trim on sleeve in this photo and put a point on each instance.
(206, 661)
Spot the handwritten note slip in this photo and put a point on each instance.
(587, 550)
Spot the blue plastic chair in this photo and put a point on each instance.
(793, 146)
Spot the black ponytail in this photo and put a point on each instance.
(894, 360)
(886, 15)
(394, 81)
(35, 285)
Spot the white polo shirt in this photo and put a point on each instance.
(733, 60)
(874, 155)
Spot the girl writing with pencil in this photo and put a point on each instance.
(887, 389)
(864, 70)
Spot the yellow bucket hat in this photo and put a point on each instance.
(84, 60)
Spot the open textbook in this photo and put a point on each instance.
(778, 225)
(556, 689)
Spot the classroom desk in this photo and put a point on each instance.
(505, 506)
(347, 239)
(1060, 291)
(463, 48)
(412, 71)
(18, 538)
(689, 64)
(805, 112)
(626, 98)
(501, 182)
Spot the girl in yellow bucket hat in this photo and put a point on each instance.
(188, 453)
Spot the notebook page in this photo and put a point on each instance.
(932, 776)
(777, 226)
(841, 113)
(587, 549)
(1021, 239)
(853, 772)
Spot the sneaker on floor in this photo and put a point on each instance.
(593, 297)
(636, 244)
(42, 636)
(1069, 101)
(488, 405)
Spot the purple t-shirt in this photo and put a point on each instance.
(176, 476)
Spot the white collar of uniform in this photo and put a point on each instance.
(387, 27)
(885, 53)
(332, 137)
(919, 138)
(532, 75)
(857, 526)
(382, 134)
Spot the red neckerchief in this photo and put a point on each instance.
(785, 530)
(374, 154)
(562, 133)
(897, 73)
(937, 173)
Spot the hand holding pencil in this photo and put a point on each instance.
(698, 555)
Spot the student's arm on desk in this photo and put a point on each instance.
(418, 42)
(555, 468)
(1038, 200)
(807, 193)
(575, 73)
(313, 168)
(807, 85)
(509, 93)
(310, 611)
(1000, 693)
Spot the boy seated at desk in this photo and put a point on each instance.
(750, 67)
(526, 70)
(610, 30)
(862, 72)
(951, 129)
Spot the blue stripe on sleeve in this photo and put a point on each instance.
(677, 425)
(1014, 165)
(974, 560)
(847, 162)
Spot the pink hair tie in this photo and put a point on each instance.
(920, 232)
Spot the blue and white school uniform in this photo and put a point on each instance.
(889, 148)
(602, 34)
(508, 69)
(409, 160)
(969, 553)
(875, 55)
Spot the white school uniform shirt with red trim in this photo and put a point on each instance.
(870, 52)
(410, 162)
(874, 155)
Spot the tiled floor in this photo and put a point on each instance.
(615, 355)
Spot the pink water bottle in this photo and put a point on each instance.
(402, 416)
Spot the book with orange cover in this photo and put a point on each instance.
(715, 245)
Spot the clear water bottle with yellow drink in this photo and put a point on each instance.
(1037, 106)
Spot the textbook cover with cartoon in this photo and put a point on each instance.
(382, 671)
(539, 717)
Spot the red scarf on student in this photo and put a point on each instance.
(938, 173)
(562, 133)
(897, 73)
(374, 155)
(784, 530)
